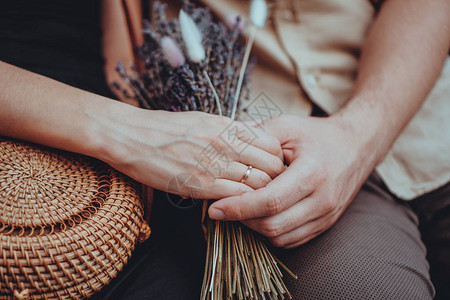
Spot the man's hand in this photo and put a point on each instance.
(330, 158)
(326, 169)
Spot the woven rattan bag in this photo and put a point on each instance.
(68, 223)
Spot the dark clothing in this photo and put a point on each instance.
(60, 40)
(433, 210)
(170, 264)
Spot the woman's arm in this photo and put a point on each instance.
(330, 158)
(149, 146)
(41, 110)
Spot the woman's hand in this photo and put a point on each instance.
(153, 147)
(192, 154)
(325, 171)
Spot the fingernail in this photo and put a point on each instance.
(216, 214)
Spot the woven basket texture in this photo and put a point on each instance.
(68, 223)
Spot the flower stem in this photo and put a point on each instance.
(242, 71)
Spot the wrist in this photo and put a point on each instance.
(123, 132)
(368, 130)
(105, 130)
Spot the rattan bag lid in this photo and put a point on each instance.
(68, 223)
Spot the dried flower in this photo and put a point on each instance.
(192, 38)
(235, 20)
(172, 52)
(258, 13)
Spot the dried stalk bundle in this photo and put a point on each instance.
(239, 265)
(196, 66)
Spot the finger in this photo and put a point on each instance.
(293, 217)
(288, 188)
(249, 156)
(256, 178)
(221, 188)
(303, 233)
(238, 136)
(253, 123)
(262, 160)
(303, 241)
(205, 186)
(277, 128)
(264, 142)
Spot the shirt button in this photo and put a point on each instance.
(311, 80)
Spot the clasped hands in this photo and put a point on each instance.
(305, 170)
(323, 174)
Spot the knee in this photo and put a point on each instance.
(361, 278)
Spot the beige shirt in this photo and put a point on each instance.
(309, 51)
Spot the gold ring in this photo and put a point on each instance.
(244, 178)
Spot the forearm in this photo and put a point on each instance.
(149, 146)
(400, 62)
(41, 110)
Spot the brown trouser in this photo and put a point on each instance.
(375, 251)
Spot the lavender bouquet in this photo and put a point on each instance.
(195, 64)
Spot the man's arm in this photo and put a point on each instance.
(400, 62)
(330, 158)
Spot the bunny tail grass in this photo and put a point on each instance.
(192, 38)
(258, 13)
(248, 49)
(172, 52)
